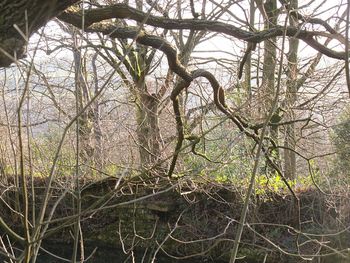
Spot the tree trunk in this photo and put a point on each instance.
(292, 75)
(248, 63)
(29, 16)
(289, 155)
(148, 132)
(99, 154)
(85, 120)
(269, 67)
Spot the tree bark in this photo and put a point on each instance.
(148, 132)
(269, 68)
(292, 76)
(99, 154)
(85, 120)
(248, 63)
(19, 19)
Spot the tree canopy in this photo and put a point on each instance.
(169, 94)
(23, 17)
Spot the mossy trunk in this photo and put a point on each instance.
(148, 132)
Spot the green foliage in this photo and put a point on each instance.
(341, 140)
(235, 165)
(238, 174)
(111, 169)
(274, 183)
(264, 183)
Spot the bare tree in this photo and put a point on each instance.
(137, 39)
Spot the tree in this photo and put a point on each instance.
(131, 36)
(291, 94)
(20, 19)
(92, 18)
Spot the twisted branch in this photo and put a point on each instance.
(122, 11)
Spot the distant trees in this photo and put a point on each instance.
(139, 57)
(341, 140)
(155, 88)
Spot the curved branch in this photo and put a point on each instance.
(175, 65)
(250, 48)
(123, 11)
(179, 124)
(312, 20)
(31, 15)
